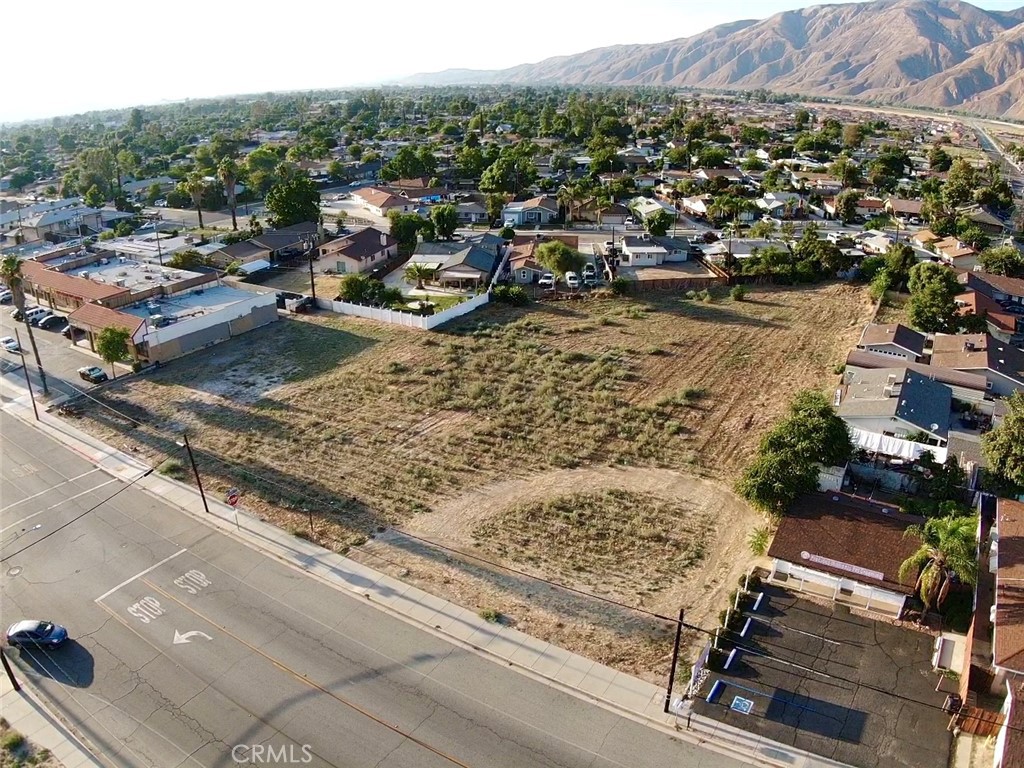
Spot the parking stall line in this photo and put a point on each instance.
(58, 504)
(52, 488)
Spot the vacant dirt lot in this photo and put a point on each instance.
(373, 426)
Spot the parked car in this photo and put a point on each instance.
(53, 323)
(10, 344)
(6, 297)
(572, 280)
(547, 280)
(284, 296)
(590, 280)
(93, 374)
(41, 634)
(609, 244)
(72, 333)
(588, 269)
(17, 314)
(36, 314)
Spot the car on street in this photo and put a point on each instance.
(31, 632)
(572, 280)
(36, 314)
(6, 297)
(70, 332)
(547, 280)
(53, 323)
(588, 269)
(10, 344)
(93, 374)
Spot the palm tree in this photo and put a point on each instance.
(603, 203)
(947, 550)
(227, 171)
(567, 197)
(418, 272)
(195, 185)
(10, 269)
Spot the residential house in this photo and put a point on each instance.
(470, 212)
(956, 253)
(924, 239)
(243, 252)
(380, 202)
(646, 206)
(1001, 364)
(740, 248)
(523, 262)
(895, 412)
(696, 206)
(642, 251)
(645, 181)
(809, 181)
(870, 206)
(139, 189)
(781, 205)
(358, 252)
(965, 387)
(845, 549)
(983, 218)
(901, 208)
(893, 341)
(540, 210)
(876, 243)
(1008, 291)
(470, 266)
(1002, 323)
(731, 175)
(589, 210)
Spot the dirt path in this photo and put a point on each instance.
(590, 627)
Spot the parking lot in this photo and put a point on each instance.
(60, 359)
(843, 686)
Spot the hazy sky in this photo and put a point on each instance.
(72, 56)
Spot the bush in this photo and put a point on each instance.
(136, 366)
(753, 583)
(840, 369)
(738, 292)
(619, 286)
(12, 741)
(173, 469)
(490, 614)
(107, 234)
(233, 267)
(758, 540)
(507, 233)
(511, 294)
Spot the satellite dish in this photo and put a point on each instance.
(935, 427)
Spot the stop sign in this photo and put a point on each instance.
(233, 496)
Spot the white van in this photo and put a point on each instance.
(36, 314)
(572, 280)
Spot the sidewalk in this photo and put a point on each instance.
(626, 695)
(27, 715)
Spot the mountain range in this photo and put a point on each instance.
(929, 53)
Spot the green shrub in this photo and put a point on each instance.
(840, 369)
(107, 234)
(511, 294)
(490, 614)
(738, 292)
(507, 233)
(12, 741)
(758, 540)
(233, 267)
(619, 286)
(173, 469)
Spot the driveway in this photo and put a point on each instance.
(840, 685)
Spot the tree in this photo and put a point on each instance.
(293, 201)
(418, 272)
(362, 289)
(658, 223)
(404, 228)
(846, 205)
(112, 345)
(227, 172)
(94, 197)
(788, 457)
(763, 229)
(195, 185)
(512, 171)
(10, 271)
(932, 307)
(445, 220)
(947, 552)
(974, 236)
(801, 118)
(899, 259)
(712, 157)
(960, 184)
(153, 194)
(188, 259)
(845, 171)
(853, 135)
(1002, 260)
(1004, 446)
(559, 258)
(939, 159)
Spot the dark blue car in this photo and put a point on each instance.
(42, 634)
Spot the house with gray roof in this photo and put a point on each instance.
(895, 412)
(893, 340)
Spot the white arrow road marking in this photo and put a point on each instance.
(187, 637)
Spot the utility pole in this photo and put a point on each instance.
(675, 659)
(195, 470)
(312, 282)
(9, 671)
(28, 381)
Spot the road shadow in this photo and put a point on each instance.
(70, 664)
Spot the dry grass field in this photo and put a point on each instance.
(490, 435)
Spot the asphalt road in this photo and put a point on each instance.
(272, 657)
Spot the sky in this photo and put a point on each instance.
(122, 53)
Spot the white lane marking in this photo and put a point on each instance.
(41, 493)
(180, 638)
(59, 503)
(108, 593)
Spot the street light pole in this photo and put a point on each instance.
(312, 282)
(195, 470)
